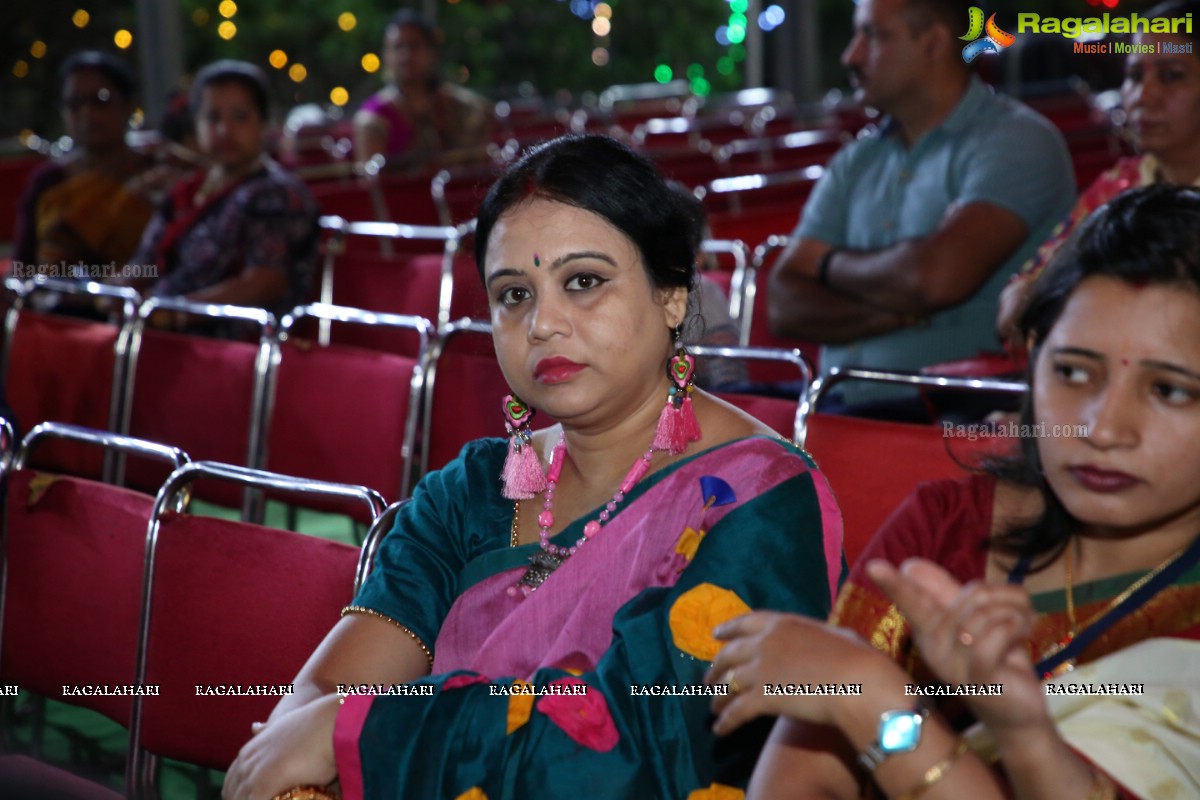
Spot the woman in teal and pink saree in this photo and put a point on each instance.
(539, 621)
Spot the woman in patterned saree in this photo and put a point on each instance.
(1075, 563)
(555, 596)
(1161, 101)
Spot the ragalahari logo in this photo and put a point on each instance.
(995, 40)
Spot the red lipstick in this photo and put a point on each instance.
(556, 369)
(1102, 480)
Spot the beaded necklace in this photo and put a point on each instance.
(549, 557)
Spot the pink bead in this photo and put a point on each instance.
(571, 551)
(546, 519)
(549, 504)
(511, 591)
(604, 516)
(579, 542)
(612, 505)
(591, 529)
(619, 496)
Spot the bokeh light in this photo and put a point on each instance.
(663, 73)
(227, 30)
(695, 71)
(339, 96)
(200, 17)
(37, 49)
(122, 38)
(347, 21)
(601, 26)
(21, 68)
(370, 62)
(600, 56)
(227, 8)
(297, 72)
(603, 10)
(81, 18)
(278, 59)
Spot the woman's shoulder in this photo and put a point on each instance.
(941, 520)
(722, 421)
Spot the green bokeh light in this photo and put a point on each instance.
(695, 71)
(662, 73)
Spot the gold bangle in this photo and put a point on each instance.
(935, 773)
(370, 612)
(307, 793)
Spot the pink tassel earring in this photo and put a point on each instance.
(677, 425)
(523, 475)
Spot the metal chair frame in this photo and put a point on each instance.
(823, 384)
(793, 356)
(128, 300)
(330, 313)
(252, 506)
(141, 765)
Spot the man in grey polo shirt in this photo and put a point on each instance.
(908, 238)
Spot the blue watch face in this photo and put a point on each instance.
(900, 731)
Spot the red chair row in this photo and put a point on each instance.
(73, 615)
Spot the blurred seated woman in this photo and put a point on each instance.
(1161, 98)
(1077, 561)
(89, 208)
(244, 230)
(530, 584)
(418, 117)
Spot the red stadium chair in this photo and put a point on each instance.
(415, 283)
(201, 394)
(68, 576)
(318, 430)
(228, 603)
(63, 369)
(873, 465)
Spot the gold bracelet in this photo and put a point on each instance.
(370, 612)
(935, 773)
(306, 793)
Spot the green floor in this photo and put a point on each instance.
(94, 746)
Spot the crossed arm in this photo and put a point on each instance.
(871, 292)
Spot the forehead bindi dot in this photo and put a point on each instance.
(537, 260)
(1124, 362)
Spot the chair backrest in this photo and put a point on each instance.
(64, 369)
(871, 466)
(986, 387)
(416, 276)
(198, 393)
(229, 604)
(70, 568)
(790, 151)
(784, 415)
(755, 324)
(346, 414)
